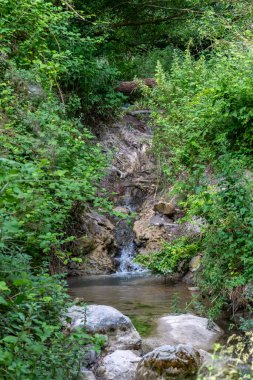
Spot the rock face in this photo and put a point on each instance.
(153, 227)
(120, 365)
(132, 169)
(186, 329)
(128, 181)
(169, 362)
(97, 245)
(106, 320)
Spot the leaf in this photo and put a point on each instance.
(47, 299)
(10, 339)
(11, 227)
(3, 286)
(3, 301)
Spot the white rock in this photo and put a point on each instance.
(185, 329)
(120, 365)
(107, 320)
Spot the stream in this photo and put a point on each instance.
(141, 296)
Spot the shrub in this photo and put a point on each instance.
(34, 344)
(205, 132)
(48, 165)
(168, 258)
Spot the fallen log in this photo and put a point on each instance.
(128, 88)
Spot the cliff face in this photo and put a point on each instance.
(132, 182)
(130, 178)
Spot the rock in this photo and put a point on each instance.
(160, 220)
(97, 245)
(119, 329)
(194, 289)
(90, 357)
(87, 375)
(120, 365)
(121, 209)
(149, 230)
(189, 278)
(206, 358)
(195, 263)
(186, 329)
(165, 208)
(139, 112)
(194, 266)
(35, 91)
(195, 226)
(153, 228)
(169, 362)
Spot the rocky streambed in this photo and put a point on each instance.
(177, 353)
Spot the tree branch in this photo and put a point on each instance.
(73, 10)
(146, 22)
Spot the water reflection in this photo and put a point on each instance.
(142, 297)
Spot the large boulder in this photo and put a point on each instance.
(121, 333)
(120, 365)
(186, 329)
(169, 362)
(149, 229)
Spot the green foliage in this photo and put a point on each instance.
(166, 260)
(49, 165)
(34, 344)
(209, 106)
(239, 350)
(59, 64)
(138, 32)
(205, 132)
(143, 64)
(227, 263)
(44, 37)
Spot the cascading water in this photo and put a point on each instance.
(126, 240)
(127, 252)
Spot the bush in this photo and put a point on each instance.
(205, 132)
(45, 37)
(168, 258)
(34, 344)
(49, 164)
(233, 361)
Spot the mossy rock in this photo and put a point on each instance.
(179, 362)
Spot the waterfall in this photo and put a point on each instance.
(126, 239)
